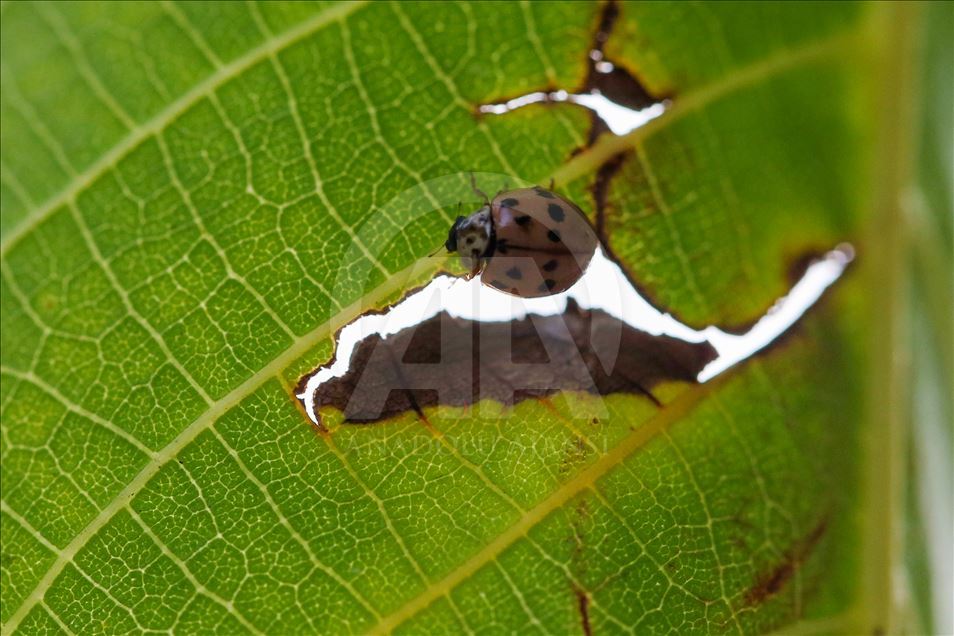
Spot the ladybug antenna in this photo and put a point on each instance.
(478, 191)
(551, 184)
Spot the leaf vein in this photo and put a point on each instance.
(163, 118)
(272, 370)
(206, 234)
(306, 149)
(183, 22)
(31, 378)
(20, 104)
(187, 573)
(61, 27)
(664, 418)
(127, 303)
(36, 534)
(284, 521)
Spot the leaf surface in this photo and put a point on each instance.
(197, 196)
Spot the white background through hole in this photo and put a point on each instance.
(603, 287)
(619, 119)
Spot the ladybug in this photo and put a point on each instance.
(528, 242)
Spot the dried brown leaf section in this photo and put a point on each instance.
(447, 361)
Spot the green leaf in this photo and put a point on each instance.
(197, 196)
(931, 323)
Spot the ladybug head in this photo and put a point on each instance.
(451, 242)
(472, 237)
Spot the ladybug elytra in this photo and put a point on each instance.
(527, 242)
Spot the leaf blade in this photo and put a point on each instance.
(208, 280)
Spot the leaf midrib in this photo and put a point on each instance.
(161, 120)
(603, 149)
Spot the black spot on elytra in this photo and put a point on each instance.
(496, 283)
(515, 273)
(554, 236)
(556, 212)
(501, 246)
(523, 220)
(546, 194)
(514, 291)
(509, 203)
(547, 285)
(550, 265)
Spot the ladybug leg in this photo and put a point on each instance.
(475, 270)
(551, 184)
(477, 191)
(476, 266)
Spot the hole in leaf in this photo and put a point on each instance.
(601, 336)
(618, 118)
(618, 101)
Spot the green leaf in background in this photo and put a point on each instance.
(930, 211)
(181, 186)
